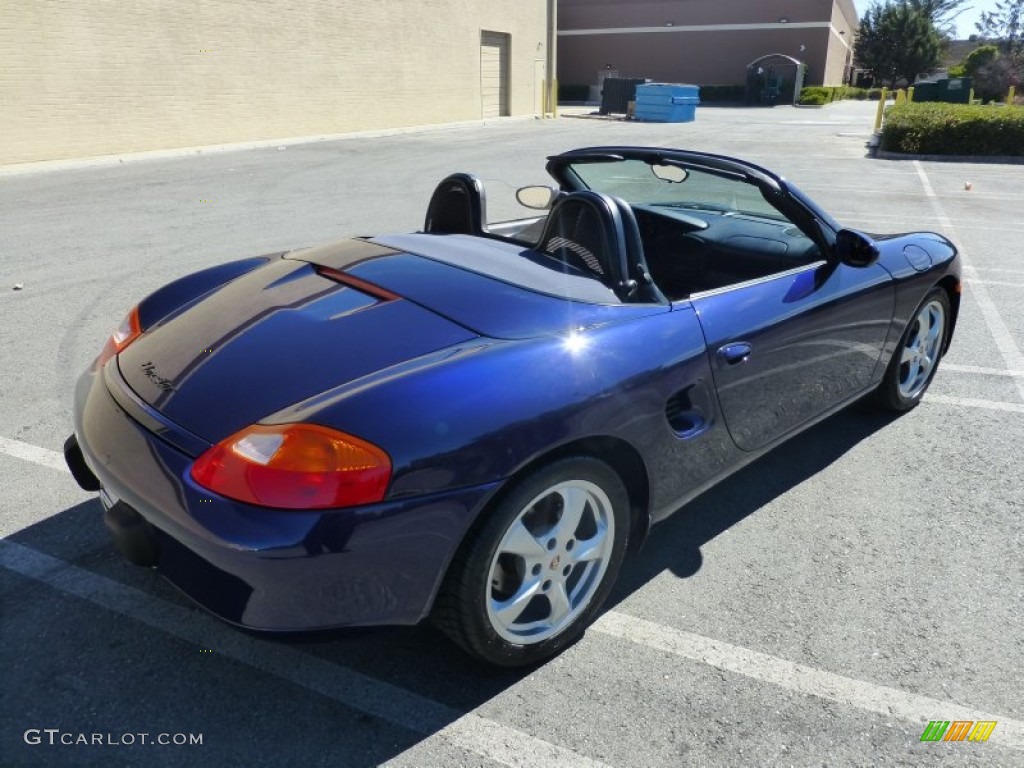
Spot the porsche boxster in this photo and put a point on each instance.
(475, 422)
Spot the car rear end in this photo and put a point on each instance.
(188, 392)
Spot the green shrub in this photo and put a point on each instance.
(570, 92)
(815, 95)
(718, 93)
(980, 57)
(953, 129)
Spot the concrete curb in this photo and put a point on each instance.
(42, 166)
(986, 159)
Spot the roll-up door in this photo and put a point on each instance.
(494, 74)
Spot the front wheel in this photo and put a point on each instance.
(916, 359)
(530, 578)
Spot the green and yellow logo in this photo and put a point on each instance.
(958, 730)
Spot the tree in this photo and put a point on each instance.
(897, 41)
(991, 71)
(1005, 26)
(980, 57)
(994, 79)
(978, 65)
(942, 13)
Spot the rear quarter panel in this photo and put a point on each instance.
(481, 411)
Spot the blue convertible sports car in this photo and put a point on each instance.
(474, 422)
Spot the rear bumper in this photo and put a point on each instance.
(261, 568)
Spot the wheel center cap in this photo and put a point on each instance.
(555, 563)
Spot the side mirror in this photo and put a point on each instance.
(855, 249)
(538, 197)
(673, 174)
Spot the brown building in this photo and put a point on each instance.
(704, 42)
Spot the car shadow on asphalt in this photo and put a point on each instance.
(675, 545)
(417, 660)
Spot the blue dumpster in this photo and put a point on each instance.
(666, 103)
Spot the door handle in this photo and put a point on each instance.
(735, 353)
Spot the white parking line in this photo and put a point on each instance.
(33, 453)
(1004, 340)
(975, 281)
(802, 679)
(970, 402)
(379, 699)
(978, 369)
(994, 269)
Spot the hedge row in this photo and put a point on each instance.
(953, 129)
(817, 95)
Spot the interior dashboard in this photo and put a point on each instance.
(697, 248)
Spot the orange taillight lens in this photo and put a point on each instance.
(128, 331)
(295, 466)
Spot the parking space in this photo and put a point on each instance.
(819, 608)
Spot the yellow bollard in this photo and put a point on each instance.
(910, 93)
(1011, 94)
(881, 109)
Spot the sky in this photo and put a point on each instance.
(965, 22)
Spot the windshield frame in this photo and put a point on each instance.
(793, 204)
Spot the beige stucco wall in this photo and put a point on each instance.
(840, 53)
(111, 76)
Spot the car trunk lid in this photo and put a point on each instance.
(271, 338)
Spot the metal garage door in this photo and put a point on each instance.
(494, 74)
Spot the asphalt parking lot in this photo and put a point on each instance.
(819, 608)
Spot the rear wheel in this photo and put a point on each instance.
(916, 359)
(533, 575)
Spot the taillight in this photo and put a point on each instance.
(295, 466)
(128, 331)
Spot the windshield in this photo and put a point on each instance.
(696, 189)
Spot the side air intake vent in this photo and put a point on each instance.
(680, 412)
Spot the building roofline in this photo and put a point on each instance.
(849, 10)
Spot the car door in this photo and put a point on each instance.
(786, 348)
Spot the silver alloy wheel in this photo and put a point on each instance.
(550, 562)
(920, 354)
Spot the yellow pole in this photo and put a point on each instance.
(881, 109)
(970, 97)
(1011, 94)
(910, 93)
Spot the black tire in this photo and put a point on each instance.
(471, 606)
(900, 391)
